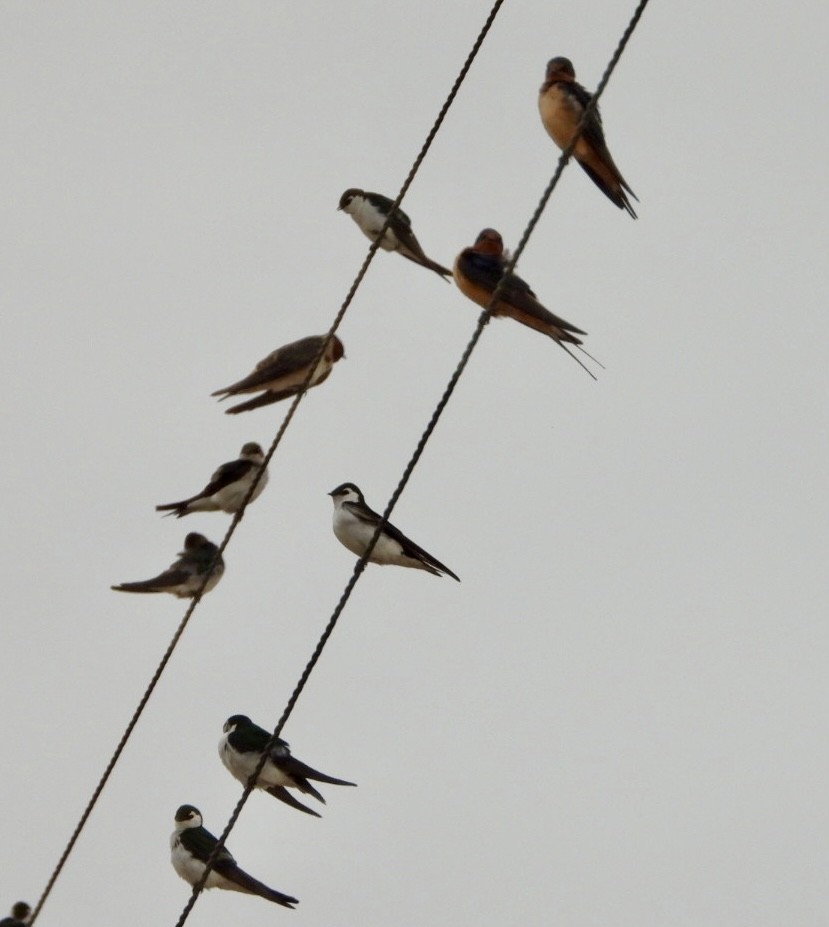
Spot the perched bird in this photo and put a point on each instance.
(191, 845)
(561, 102)
(370, 211)
(19, 916)
(477, 272)
(241, 749)
(283, 371)
(354, 526)
(227, 487)
(183, 578)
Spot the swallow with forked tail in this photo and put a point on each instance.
(561, 103)
(184, 577)
(241, 748)
(282, 373)
(228, 486)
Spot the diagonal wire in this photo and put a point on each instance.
(271, 451)
(362, 561)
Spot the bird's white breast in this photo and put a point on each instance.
(355, 535)
(242, 765)
(371, 220)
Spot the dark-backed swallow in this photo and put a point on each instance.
(228, 486)
(183, 578)
(19, 916)
(241, 748)
(370, 211)
(477, 272)
(283, 371)
(561, 103)
(354, 526)
(191, 845)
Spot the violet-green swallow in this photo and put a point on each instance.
(191, 845)
(183, 578)
(227, 487)
(283, 371)
(241, 749)
(561, 103)
(355, 523)
(19, 916)
(478, 270)
(369, 211)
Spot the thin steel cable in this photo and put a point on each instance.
(362, 561)
(271, 451)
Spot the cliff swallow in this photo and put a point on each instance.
(283, 371)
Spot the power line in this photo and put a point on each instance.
(271, 451)
(362, 561)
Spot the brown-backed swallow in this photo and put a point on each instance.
(184, 577)
(478, 271)
(227, 488)
(370, 211)
(561, 103)
(283, 371)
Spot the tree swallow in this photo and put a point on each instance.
(183, 577)
(283, 371)
(191, 845)
(227, 487)
(354, 525)
(477, 272)
(241, 749)
(19, 916)
(561, 102)
(369, 211)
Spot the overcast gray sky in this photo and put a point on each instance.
(619, 716)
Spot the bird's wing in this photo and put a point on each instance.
(225, 475)
(287, 359)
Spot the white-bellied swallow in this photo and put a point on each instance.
(241, 748)
(227, 487)
(561, 103)
(478, 271)
(282, 373)
(19, 916)
(370, 210)
(355, 523)
(183, 578)
(190, 847)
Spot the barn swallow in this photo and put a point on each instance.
(355, 523)
(241, 749)
(190, 847)
(370, 211)
(561, 102)
(477, 272)
(183, 578)
(19, 916)
(283, 371)
(228, 486)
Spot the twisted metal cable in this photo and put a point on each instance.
(362, 561)
(269, 455)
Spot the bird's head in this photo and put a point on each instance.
(560, 69)
(347, 197)
(188, 816)
(235, 721)
(346, 492)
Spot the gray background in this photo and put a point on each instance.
(619, 716)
